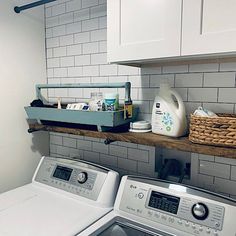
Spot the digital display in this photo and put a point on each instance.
(164, 202)
(62, 172)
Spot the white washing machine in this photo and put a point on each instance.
(146, 207)
(65, 197)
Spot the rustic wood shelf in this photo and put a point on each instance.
(150, 139)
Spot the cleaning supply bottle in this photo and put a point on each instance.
(168, 115)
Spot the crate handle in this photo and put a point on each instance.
(126, 85)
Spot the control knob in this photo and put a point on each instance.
(200, 211)
(82, 177)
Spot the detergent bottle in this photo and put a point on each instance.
(168, 113)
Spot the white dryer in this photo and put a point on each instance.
(65, 197)
(147, 207)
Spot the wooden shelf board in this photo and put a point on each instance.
(150, 139)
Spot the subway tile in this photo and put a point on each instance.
(73, 28)
(214, 169)
(202, 94)
(175, 69)
(99, 79)
(99, 59)
(138, 155)
(54, 139)
(75, 92)
(103, 46)
(49, 53)
(219, 107)
(225, 186)
(91, 71)
(81, 15)
(139, 81)
(228, 66)
(128, 70)
(75, 49)
(58, 9)
(52, 42)
(63, 151)
(226, 79)
(84, 145)
(108, 70)
(118, 151)
(211, 67)
(49, 33)
(59, 51)
(151, 70)
(89, 3)
(147, 94)
(91, 156)
(66, 18)
(227, 95)
(127, 164)
(58, 30)
(73, 5)
(91, 24)
(205, 157)
(69, 142)
(189, 80)
(75, 71)
(229, 161)
(82, 37)
(98, 35)
(100, 147)
(233, 173)
(48, 12)
(183, 92)
(67, 61)
(52, 21)
(155, 80)
(66, 40)
(146, 169)
(98, 11)
(102, 22)
(53, 62)
(108, 160)
(82, 60)
(88, 48)
(60, 72)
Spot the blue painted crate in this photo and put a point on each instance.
(104, 120)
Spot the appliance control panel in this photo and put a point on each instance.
(175, 205)
(76, 177)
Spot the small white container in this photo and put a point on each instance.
(111, 101)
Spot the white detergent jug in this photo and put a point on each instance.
(168, 116)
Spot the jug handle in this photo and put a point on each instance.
(181, 107)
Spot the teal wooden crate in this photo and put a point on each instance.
(104, 120)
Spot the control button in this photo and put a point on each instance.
(187, 224)
(193, 226)
(82, 177)
(140, 195)
(217, 224)
(215, 233)
(171, 219)
(180, 222)
(163, 217)
(200, 211)
(208, 231)
(200, 229)
(157, 215)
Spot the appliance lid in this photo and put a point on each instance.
(30, 211)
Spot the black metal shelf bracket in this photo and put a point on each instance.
(31, 5)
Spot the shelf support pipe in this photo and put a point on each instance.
(31, 5)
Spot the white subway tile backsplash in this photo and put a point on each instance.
(204, 67)
(73, 5)
(225, 186)
(90, 48)
(88, 25)
(155, 80)
(91, 71)
(82, 60)
(233, 173)
(128, 70)
(219, 107)
(58, 9)
(73, 28)
(59, 30)
(67, 61)
(66, 40)
(55, 139)
(53, 62)
(81, 15)
(175, 69)
(202, 94)
(127, 164)
(60, 72)
(98, 35)
(215, 169)
(75, 49)
(100, 147)
(102, 22)
(228, 66)
(189, 80)
(99, 59)
(84, 145)
(108, 160)
(89, 3)
(66, 18)
(138, 155)
(91, 156)
(59, 52)
(52, 42)
(69, 142)
(98, 11)
(103, 46)
(227, 95)
(226, 79)
(75, 71)
(118, 151)
(108, 70)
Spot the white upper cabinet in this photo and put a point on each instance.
(143, 29)
(209, 26)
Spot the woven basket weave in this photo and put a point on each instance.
(218, 131)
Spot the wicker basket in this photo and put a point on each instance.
(217, 131)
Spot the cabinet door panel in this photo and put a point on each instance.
(143, 29)
(209, 26)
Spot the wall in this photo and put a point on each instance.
(76, 53)
(22, 65)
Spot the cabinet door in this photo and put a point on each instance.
(209, 26)
(143, 29)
